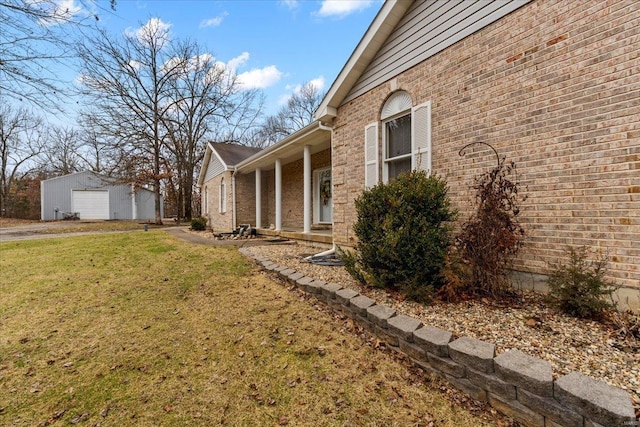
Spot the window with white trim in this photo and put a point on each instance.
(223, 197)
(397, 137)
(406, 139)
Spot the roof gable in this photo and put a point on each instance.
(403, 34)
(220, 157)
(232, 154)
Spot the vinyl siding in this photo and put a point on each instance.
(214, 168)
(426, 29)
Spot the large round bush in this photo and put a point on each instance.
(404, 232)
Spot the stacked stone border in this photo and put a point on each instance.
(516, 384)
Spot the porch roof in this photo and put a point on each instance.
(316, 135)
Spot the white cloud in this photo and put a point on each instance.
(257, 78)
(154, 27)
(213, 22)
(235, 63)
(260, 78)
(317, 83)
(59, 11)
(342, 8)
(291, 4)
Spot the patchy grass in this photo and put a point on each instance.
(14, 222)
(81, 226)
(142, 329)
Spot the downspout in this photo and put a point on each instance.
(325, 253)
(333, 247)
(233, 197)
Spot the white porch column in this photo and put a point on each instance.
(134, 206)
(278, 195)
(258, 198)
(307, 189)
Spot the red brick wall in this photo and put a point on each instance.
(218, 222)
(555, 87)
(246, 199)
(292, 191)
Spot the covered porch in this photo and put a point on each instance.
(292, 186)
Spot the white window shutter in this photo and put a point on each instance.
(421, 137)
(222, 199)
(371, 155)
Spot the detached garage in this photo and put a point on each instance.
(92, 196)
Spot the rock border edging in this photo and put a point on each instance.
(514, 383)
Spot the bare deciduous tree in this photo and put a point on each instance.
(35, 37)
(128, 79)
(20, 143)
(208, 103)
(61, 156)
(296, 114)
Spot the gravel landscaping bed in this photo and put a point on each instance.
(532, 327)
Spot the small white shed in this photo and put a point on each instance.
(92, 196)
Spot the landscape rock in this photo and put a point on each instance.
(473, 353)
(525, 371)
(596, 400)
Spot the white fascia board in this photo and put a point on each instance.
(205, 164)
(273, 150)
(382, 26)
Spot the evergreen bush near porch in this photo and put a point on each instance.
(404, 232)
(199, 223)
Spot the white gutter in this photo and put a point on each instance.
(282, 145)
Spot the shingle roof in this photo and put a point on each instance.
(232, 154)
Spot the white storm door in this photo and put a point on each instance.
(323, 196)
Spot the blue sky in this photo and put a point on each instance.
(274, 45)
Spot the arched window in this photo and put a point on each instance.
(406, 139)
(396, 135)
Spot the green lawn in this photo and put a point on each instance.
(142, 329)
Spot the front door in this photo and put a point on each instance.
(323, 195)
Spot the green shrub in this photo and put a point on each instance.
(579, 287)
(351, 265)
(403, 231)
(198, 223)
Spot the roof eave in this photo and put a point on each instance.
(273, 150)
(382, 26)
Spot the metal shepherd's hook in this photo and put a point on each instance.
(461, 152)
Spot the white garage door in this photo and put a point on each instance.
(91, 204)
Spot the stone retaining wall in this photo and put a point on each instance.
(516, 384)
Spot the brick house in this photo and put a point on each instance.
(216, 180)
(553, 85)
(273, 180)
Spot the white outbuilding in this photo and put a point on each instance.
(88, 195)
